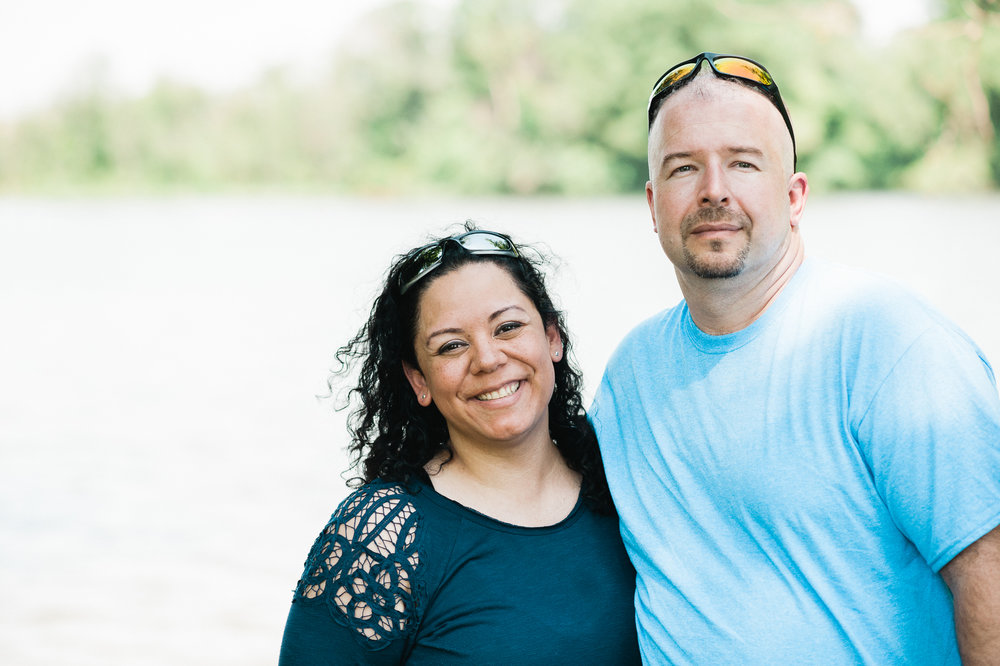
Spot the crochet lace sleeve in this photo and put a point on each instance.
(364, 566)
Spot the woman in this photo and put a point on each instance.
(483, 532)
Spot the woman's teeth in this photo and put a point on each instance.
(501, 392)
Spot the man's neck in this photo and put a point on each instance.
(721, 306)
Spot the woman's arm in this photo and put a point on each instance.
(355, 601)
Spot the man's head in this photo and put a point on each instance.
(733, 68)
(723, 194)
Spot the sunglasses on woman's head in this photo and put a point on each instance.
(425, 259)
(730, 67)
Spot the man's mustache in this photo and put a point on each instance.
(715, 214)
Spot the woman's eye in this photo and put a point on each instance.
(508, 327)
(449, 347)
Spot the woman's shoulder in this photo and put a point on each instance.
(369, 505)
(365, 565)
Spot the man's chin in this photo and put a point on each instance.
(716, 268)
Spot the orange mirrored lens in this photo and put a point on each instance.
(743, 69)
(673, 76)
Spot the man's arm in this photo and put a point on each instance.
(974, 578)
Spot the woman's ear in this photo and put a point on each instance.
(418, 383)
(555, 342)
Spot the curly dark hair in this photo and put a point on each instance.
(393, 437)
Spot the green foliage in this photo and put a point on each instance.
(527, 97)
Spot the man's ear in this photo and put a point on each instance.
(649, 201)
(418, 383)
(798, 192)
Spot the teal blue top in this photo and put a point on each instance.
(412, 577)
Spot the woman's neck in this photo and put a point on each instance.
(527, 486)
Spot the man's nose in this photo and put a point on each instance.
(714, 186)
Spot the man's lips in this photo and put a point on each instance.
(714, 227)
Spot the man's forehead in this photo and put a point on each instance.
(737, 104)
(707, 87)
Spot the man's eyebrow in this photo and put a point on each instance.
(730, 150)
(680, 155)
(745, 150)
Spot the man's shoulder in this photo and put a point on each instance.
(836, 276)
(873, 307)
(849, 290)
(657, 326)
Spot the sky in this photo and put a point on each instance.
(47, 46)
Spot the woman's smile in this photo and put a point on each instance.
(502, 392)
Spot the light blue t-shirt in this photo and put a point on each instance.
(788, 492)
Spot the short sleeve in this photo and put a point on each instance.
(932, 438)
(359, 597)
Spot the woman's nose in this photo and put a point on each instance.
(488, 355)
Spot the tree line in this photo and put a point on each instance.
(524, 97)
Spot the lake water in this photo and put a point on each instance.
(164, 461)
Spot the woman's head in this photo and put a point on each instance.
(394, 434)
(484, 358)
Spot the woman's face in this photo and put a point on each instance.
(485, 358)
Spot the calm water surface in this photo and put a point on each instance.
(164, 461)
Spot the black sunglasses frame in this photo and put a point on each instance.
(426, 258)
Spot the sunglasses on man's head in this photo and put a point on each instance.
(425, 259)
(730, 67)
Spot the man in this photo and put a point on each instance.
(805, 457)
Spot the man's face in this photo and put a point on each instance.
(721, 188)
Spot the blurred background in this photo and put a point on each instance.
(198, 200)
(477, 97)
